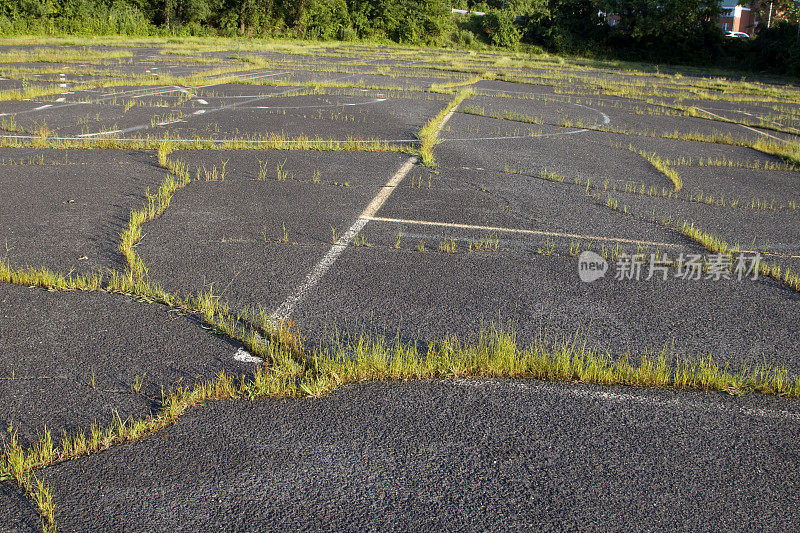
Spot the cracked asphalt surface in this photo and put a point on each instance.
(464, 455)
(544, 160)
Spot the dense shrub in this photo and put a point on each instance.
(499, 29)
(776, 49)
(675, 31)
(328, 17)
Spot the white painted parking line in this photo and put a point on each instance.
(319, 270)
(742, 125)
(201, 101)
(373, 101)
(100, 133)
(62, 99)
(43, 107)
(500, 229)
(644, 398)
(287, 307)
(199, 112)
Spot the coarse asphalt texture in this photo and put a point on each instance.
(308, 201)
(463, 455)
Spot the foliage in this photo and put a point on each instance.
(676, 31)
(776, 49)
(498, 28)
(325, 19)
(673, 30)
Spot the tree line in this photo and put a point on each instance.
(680, 31)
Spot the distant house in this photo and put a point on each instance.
(734, 17)
(737, 18)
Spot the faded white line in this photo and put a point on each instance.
(742, 125)
(319, 270)
(501, 229)
(719, 407)
(86, 135)
(217, 109)
(43, 107)
(201, 101)
(374, 101)
(505, 138)
(171, 89)
(606, 118)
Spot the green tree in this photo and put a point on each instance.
(498, 28)
(668, 29)
(327, 18)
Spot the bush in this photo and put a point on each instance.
(499, 29)
(195, 29)
(313, 34)
(327, 16)
(347, 34)
(463, 37)
(776, 49)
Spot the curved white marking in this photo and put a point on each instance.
(606, 118)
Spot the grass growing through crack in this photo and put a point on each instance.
(662, 166)
(487, 243)
(155, 205)
(789, 151)
(495, 354)
(719, 246)
(430, 131)
(448, 246)
(269, 141)
(291, 371)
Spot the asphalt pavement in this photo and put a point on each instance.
(557, 159)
